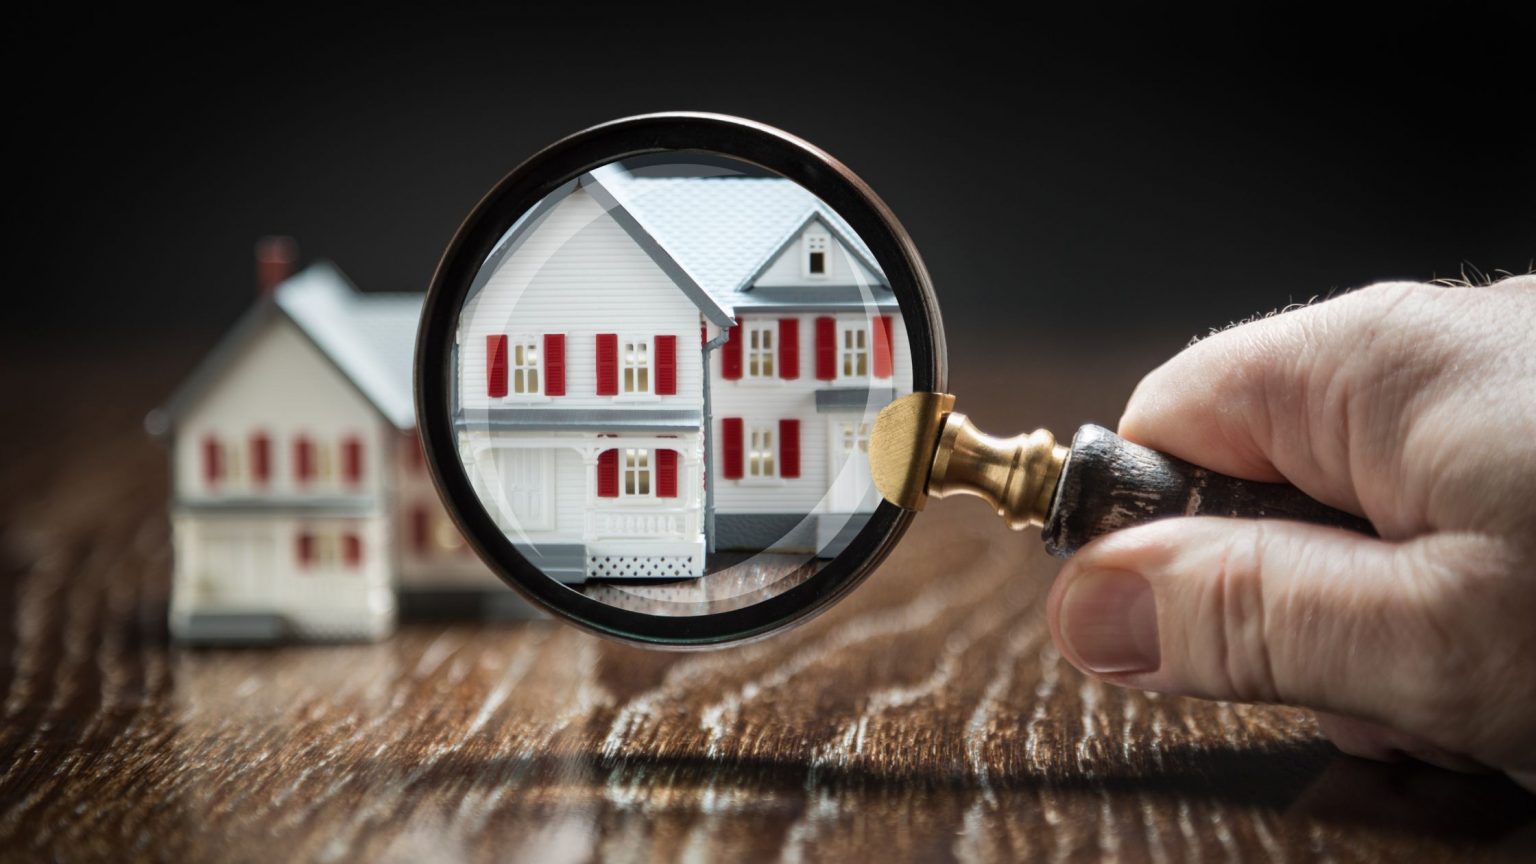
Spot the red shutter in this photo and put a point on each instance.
(496, 366)
(352, 460)
(213, 460)
(880, 339)
(305, 548)
(607, 364)
(789, 448)
(419, 529)
(352, 549)
(703, 333)
(303, 460)
(666, 365)
(730, 355)
(666, 473)
(608, 474)
(826, 348)
(730, 447)
(789, 348)
(261, 458)
(554, 364)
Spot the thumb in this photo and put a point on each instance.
(1271, 611)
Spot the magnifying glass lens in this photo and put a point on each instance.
(664, 378)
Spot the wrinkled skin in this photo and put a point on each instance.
(1412, 405)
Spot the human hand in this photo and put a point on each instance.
(1413, 405)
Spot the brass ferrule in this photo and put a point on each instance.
(1017, 475)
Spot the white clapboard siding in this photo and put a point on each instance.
(248, 563)
(283, 386)
(433, 567)
(765, 402)
(570, 495)
(580, 274)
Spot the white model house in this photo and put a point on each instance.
(633, 330)
(301, 506)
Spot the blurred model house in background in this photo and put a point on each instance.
(655, 368)
(301, 506)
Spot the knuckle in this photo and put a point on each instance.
(1242, 664)
(1388, 295)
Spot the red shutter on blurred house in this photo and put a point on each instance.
(420, 528)
(826, 348)
(496, 366)
(607, 364)
(880, 339)
(730, 355)
(305, 548)
(303, 459)
(261, 458)
(666, 365)
(789, 448)
(730, 447)
(352, 460)
(789, 348)
(666, 473)
(554, 364)
(352, 549)
(608, 474)
(213, 460)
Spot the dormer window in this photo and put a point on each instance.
(816, 248)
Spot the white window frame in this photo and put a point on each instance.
(325, 549)
(637, 473)
(816, 240)
(847, 438)
(322, 461)
(761, 350)
(762, 454)
(853, 435)
(235, 456)
(854, 348)
(636, 366)
(524, 360)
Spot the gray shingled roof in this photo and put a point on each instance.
(725, 230)
(370, 337)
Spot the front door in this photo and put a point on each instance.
(852, 489)
(527, 480)
(236, 567)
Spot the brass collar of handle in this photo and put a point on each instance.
(1017, 475)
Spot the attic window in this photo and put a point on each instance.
(815, 254)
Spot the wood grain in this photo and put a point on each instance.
(927, 717)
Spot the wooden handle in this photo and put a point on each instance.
(1109, 483)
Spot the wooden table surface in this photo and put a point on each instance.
(927, 717)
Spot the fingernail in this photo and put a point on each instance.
(1109, 619)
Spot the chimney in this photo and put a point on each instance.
(274, 262)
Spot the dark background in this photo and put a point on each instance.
(1083, 180)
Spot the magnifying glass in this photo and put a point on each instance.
(681, 381)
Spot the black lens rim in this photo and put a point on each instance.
(530, 183)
